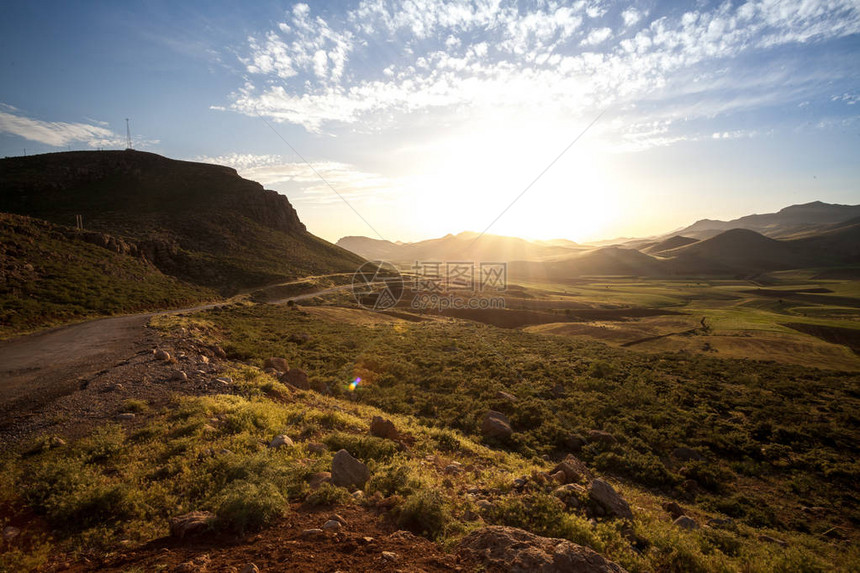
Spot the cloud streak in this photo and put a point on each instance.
(56, 133)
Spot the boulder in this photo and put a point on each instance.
(319, 478)
(601, 437)
(686, 454)
(605, 496)
(280, 441)
(179, 376)
(383, 428)
(573, 469)
(332, 525)
(297, 377)
(673, 509)
(496, 425)
(571, 495)
(685, 522)
(348, 472)
(575, 442)
(191, 523)
(162, 355)
(125, 416)
(276, 363)
(518, 551)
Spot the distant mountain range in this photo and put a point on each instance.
(787, 222)
(201, 223)
(801, 236)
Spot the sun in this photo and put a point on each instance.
(504, 181)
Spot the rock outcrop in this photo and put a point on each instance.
(517, 551)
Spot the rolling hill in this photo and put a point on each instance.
(201, 223)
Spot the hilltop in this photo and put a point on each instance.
(203, 224)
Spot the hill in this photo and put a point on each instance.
(201, 223)
(667, 244)
(782, 224)
(51, 274)
(463, 246)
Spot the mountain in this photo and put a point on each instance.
(782, 224)
(465, 246)
(201, 223)
(673, 242)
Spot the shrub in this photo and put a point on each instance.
(245, 505)
(544, 514)
(134, 405)
(362, 447)
(328, 494)
(393, 479)
(425, 513)
(105, 442)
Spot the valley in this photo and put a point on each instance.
(669, 404)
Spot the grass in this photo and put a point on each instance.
(774, 439)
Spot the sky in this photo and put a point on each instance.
(411, 119)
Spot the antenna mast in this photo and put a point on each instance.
(128, 134)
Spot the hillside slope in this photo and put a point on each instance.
(51, 274)
(202, 223)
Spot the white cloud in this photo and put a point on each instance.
(597, 36)
(56, 133)
(459, 59)
(631, 17)
(310, 180)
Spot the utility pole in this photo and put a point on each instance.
(127, 135)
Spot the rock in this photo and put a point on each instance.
(500, 395)
(162, 355)
(204, 359)
(311, 533)
(574, 470)
(125, 416)
(250, 568)
(55, 442)
(10, 533)
(332, 525)
(571, 495)
(280, 441)
(496, 426)
(224, 380)
(179, 376)
(346, 471)
(605, 496)
(390, 556)
(673, 509)
(191, 523)
(485, 505)
(278, 364)
(601, 437)
(518, 551)
(453, 468)
(686, 454)
(338, 518)
(769, 539)
(299, 337)
(575, 443)
(219, 352)
(298, 378)
(319, 478)
(317, 449)
(383, 428)
(718, 522)
(685, 522)
(270, 371)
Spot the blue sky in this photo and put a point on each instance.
(432, 117)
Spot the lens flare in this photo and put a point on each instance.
(354, 384)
